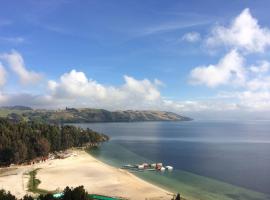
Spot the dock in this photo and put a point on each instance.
(147, 167)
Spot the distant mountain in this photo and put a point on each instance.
(16, 108)
(87, 115)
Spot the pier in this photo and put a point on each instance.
(147, 167)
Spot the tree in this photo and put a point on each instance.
(43, 147)
(6, 195)
(79, 193)
(20, 152)
(23, 141)
(67, 194)
(6, 156)
(26, 197)
(46, 197)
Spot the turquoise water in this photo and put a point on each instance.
(212, 160)
(189, 185)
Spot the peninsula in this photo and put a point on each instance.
(87, 115)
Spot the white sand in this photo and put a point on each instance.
(15, 180)
(85, 170)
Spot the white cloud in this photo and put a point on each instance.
(258, 77)
(75, 87)
(136, 94)
(244, 36)
(199, 105)
(16, 63)
(254, 100)
(227, 71)
(241, 102)
(259, 83)
(244, 33)
(192, 37)
(74, 84)
(262, 68)
(3, 74)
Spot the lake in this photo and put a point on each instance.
(212, 159)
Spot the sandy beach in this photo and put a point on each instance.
(82, 169)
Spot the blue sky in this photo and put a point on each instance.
(163, 48)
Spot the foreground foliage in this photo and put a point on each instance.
(78, 193)
(23, 141)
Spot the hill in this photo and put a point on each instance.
(16, 108)
(87, 115)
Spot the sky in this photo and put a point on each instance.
(207, 60)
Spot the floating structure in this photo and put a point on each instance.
(170, 168)
(101, 197)
(148, 167)
(90, 196)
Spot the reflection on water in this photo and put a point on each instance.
(184, 139)
(237, 153)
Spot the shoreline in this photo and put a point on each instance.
(83, 169)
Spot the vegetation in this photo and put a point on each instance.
(34, 182)
(6, 195)
(86, 115)
(23, 141)
(78, 193)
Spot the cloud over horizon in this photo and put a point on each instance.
(246, 84)
(75, 87)
(237, 82)
(3, 75)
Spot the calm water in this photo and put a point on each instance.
(213, 159)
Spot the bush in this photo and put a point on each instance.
(6, 195)
(78, 193)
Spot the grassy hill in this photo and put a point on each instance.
(86, 115)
